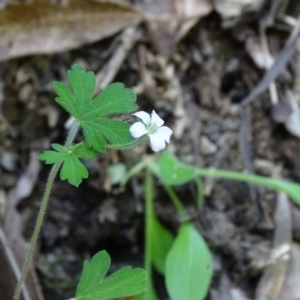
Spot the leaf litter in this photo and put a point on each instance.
(212, 73)
(40, 27)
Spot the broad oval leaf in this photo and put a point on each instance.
(172, 172)
(161, 243)
(188, 266)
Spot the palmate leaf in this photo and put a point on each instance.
(72, 169)
(92, 113)
(123, 283)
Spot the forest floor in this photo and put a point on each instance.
(196, 86)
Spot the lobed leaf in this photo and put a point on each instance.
(65, 98)
(94, 286)
(72, 169)
(92, 114)
(115, 99)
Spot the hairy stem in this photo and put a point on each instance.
(126, 146)
(72, 133)
(39, 221)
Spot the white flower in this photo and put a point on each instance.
(152, 126)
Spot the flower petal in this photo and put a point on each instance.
(138, 129)
(145, 117)
(155, 119)
(157, 142)
(165, 132)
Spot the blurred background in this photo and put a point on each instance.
(195, 62)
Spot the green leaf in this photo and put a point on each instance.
(92, 114)
(149, 294)
(72, 169)
(83, 85)
(172, 172)
(188, 266)
(117, 132)
(161, 243)
(65, 98)
(94, 286)
(115, 99)
(81, 150)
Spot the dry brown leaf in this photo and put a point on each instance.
(296, 86)
(291, 288)
(292, 122)
(170, 20)
(28, 179)
(272, 281)
(193, 8)
(10, 268)
(7, 282)
(231, 11)
(191, 11)
(3, 3)
(41, 27)
(255, 50)
(13, 223)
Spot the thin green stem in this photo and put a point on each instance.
(133, 171)
(290, 188)
(37, 229)
(149, 224)
(175, 199)
(72, 133)
(39, 221)
(232, 175)
(126, 146)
